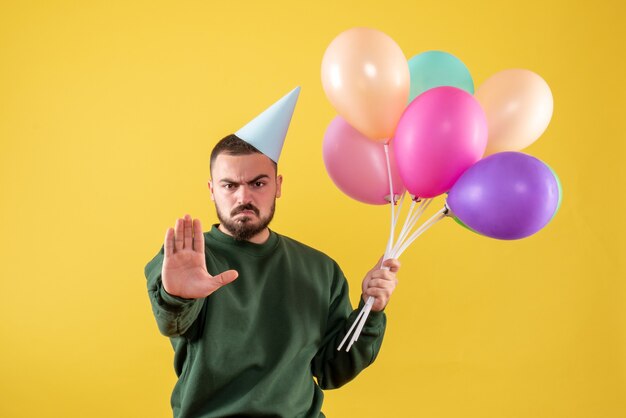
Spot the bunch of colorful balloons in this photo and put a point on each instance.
(443, 136)
(420, 127)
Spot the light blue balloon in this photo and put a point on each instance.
(435, 69)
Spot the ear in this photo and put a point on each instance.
(279, 182)
(211, 190)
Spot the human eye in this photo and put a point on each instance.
(258, 184)
(229, 186)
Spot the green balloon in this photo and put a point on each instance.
(457, 220)
(560, 191)
(432, 69)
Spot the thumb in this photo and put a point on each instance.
(226, 277)
(393, 264)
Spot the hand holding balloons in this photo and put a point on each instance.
(438, 141)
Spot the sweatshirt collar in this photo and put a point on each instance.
(245, 246)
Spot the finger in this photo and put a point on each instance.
(380, 301)
(383, 274)
(393, 264)
(382, 283)
(198, 237)
(178, 235)
(379, 305)
(188, 237)
(169, 242)
(226, 277)
(378, 293)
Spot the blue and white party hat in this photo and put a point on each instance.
(267, 131)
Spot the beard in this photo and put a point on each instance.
(243, 228)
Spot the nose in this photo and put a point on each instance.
(243, 195)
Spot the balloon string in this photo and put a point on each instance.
(416, 216)
(354, 324)
(365, 311)
(393, 202)
(407, 219)
(410, 223)
(402, 244)
(398, 210)
(433, 220)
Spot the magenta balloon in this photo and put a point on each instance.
(357, 165)
(441, 134)
(508, 195)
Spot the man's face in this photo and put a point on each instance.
(244, 189)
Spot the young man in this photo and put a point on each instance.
(255, 317)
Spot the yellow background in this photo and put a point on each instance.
(108, 110)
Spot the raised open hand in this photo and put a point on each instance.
(184, 272)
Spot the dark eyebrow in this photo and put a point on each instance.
(227, 180)
(254, 180)
(259, 177)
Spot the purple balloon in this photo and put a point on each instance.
(508, 195)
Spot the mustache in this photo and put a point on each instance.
(247, 206)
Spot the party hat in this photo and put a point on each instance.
(267, 131)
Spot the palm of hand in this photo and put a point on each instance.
(185, 275)
(184, 272)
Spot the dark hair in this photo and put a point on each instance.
(233, 145)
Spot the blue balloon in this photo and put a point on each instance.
(435, 69)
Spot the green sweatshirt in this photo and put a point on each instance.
(254, 347)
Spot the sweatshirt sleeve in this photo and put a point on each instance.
(334, 368)
(174, 315)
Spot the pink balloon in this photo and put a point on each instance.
(441, 134)
(357, 165)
